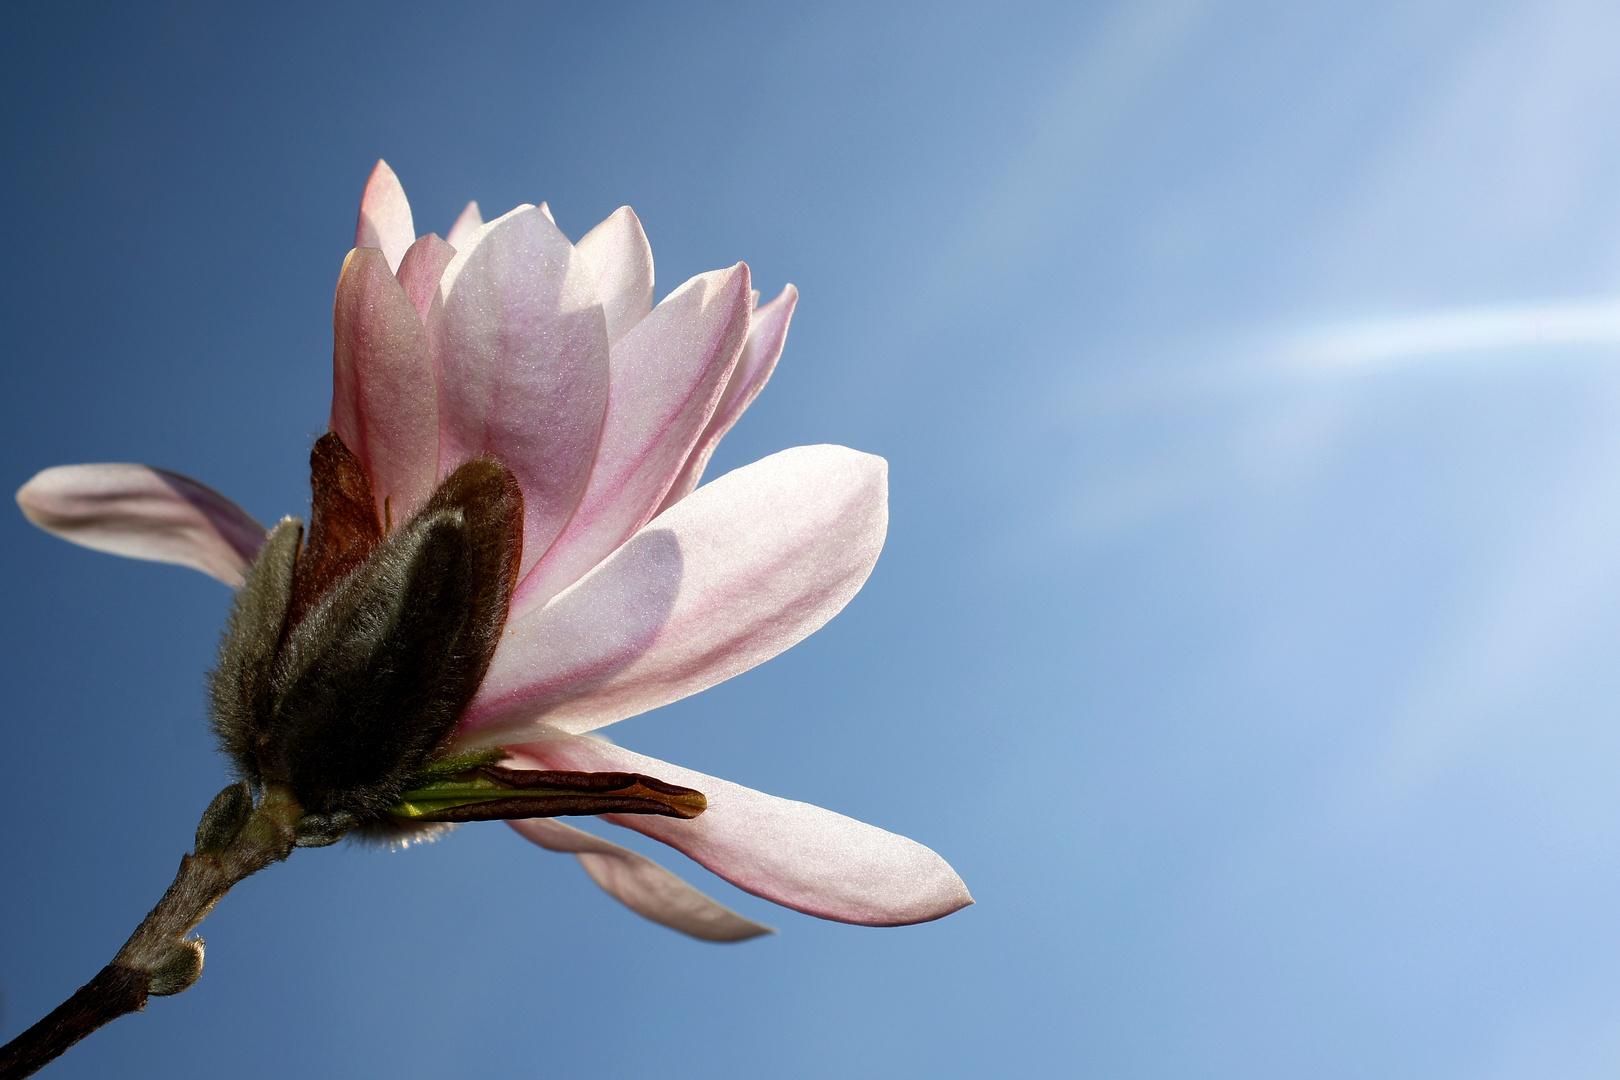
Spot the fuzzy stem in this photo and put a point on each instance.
(158, 958)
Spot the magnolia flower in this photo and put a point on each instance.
(527, 391)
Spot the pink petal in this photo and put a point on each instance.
(420, 270)
(746, 567)
(618, 252)
(641, 884)
(384, 404)
(666, 377)
(794, 854)
(144, 513)
(766, 336)
(469, 220)
(385, 216)
(523, 365)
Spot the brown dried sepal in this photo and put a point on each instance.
(343, 525)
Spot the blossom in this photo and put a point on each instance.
(633, 586)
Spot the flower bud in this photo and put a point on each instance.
(348, 661)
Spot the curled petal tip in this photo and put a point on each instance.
(621, 258)
(464, 226)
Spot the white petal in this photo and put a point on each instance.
(744, 568)
(641, 884)
(797, 855)
(522, 354)
(385, 216)
(665, 378)
(618, 251)
(144, 513)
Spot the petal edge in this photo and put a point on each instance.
(766, 336)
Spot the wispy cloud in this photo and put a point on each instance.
(1457, 333)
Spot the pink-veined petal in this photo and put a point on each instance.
(666, 376)
(384, 404)
(385, 216)
(618, 252)
(767, 333)
(744, 568)
(144, 513)
(469, 220)
(641, 884)
(791, 853)
(523, 365)
(420, 271)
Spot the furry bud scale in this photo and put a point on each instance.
(347, 661)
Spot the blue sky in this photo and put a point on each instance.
(1246, 633)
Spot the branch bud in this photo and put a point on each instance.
(178, 969)
(223, 819)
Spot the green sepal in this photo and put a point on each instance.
(449, 766)
(436, 795)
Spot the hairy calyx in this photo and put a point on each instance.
(352, 652)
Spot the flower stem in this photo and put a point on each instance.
(159, 959)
